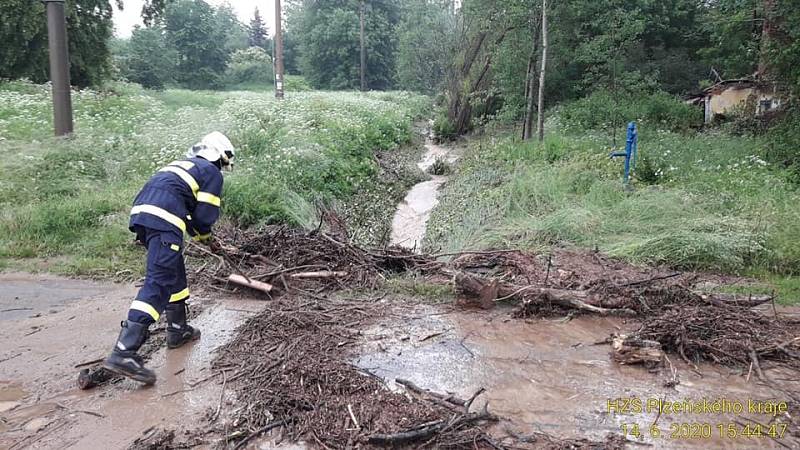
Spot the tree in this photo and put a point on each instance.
(235, 34)
(425, 41)
(540, 108)
(531, 79)
(23, 31)
(258, 31)
(291, 50)
(328, 35)
(482, 30)
(783, 50)
(193, 31)
(151, 62)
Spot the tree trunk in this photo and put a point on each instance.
(768, 30)
(527, 127)
(363, 49)
(540, 122)
(462, 87)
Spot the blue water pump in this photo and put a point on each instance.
(631, 145)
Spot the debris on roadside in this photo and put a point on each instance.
(290, 367)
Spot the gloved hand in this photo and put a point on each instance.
(202, 238)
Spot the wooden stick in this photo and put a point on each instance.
(353, 416)
(756, 365)
(252, 284)
(262, 430)
(405, 437)
(320, 274)
(475, 252)
(90, 363)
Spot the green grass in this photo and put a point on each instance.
(66, 201)
(421, 289)
(700, 202)
(785, 288)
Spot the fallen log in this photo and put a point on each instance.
(451, 399)
(252, 284)
(428, 430)
(406, 437)
(720, 299)
(480, 287)
(630, 350)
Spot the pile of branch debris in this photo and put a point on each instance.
(281, 259)
(699, 326)
(334, 404)
(299, 378)
(675, 317)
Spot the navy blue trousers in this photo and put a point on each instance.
(165, 280)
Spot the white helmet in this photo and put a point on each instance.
(213, 147)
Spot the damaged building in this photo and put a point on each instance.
(726, 96)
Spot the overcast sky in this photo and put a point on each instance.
(125, 20)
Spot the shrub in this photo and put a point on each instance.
(604, 110)
(296, 83)
(249, 66)
(783, 141)
(443, 129)
(439, 167)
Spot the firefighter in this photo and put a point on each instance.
(183, 197)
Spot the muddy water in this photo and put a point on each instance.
(40, 407)
(546, 375)
(411, 218)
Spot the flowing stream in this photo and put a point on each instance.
(411, 218)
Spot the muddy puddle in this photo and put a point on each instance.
(40, 405)
(411, 218)
(546, 375)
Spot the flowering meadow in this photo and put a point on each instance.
(66, 201)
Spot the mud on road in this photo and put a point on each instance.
(72, 321)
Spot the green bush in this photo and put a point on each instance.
(443, 129)
(253, 200)
(249, 66)
(783, 141)
(296, 83)
(604, 110)
(701, 201)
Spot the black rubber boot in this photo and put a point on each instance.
(178, 331)
(124, 360)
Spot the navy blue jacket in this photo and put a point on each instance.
(182, 197)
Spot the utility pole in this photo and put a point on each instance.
(363, 52)
(59, 66)
(540, 122)
(278, 51)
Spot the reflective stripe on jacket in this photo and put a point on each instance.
(185, 196)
